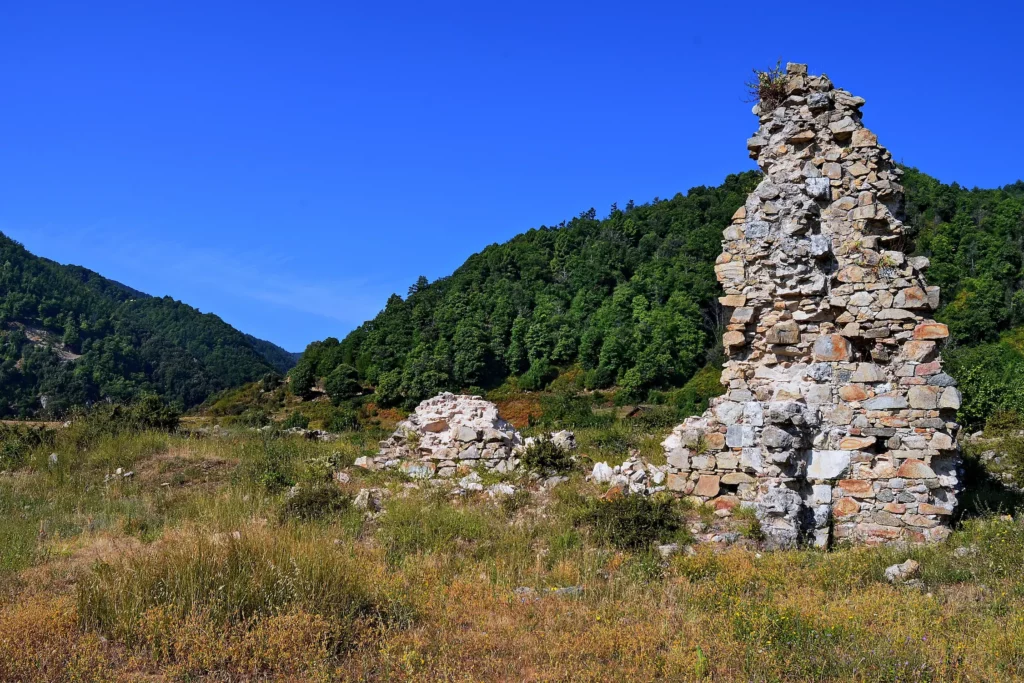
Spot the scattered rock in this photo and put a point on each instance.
(898, 573)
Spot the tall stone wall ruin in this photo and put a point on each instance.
(838, 422)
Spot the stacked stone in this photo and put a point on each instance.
(838, 420)
(449, 434)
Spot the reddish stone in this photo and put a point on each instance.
(918, 350)
(931, 331)
(883, 532)
(707, 486)
(859, 488)
(855, 443)
(925, 369)
(725, 502)
(845, 506)
(915, 469)
(853, 392)
(895, 508)
(730, 339)
(832, 348)
(714, 441)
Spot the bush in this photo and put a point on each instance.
(695, 395)
(342, 383)
(269, 463)
(632, 522)
(544, 455)
(538, 377)
(296, 421)
(570, 411)
(254, 417)
(312, 502)
(342, 421)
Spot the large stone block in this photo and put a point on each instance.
(831, 347)
(828, 464)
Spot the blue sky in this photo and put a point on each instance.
(289, 165)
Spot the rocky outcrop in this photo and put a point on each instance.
(449, 434)
(838, 422)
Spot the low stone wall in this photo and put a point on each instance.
(448, 435)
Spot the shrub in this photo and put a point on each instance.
(296, 421)
(631, 522)
(695, 395)
(571, 411)
(512, 504)
(254, 417)
(768, 87)
(342, 421)
(269, 463)
(312, 502)
(544, 455)
(342, 383)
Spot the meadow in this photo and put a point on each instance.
(234, 555)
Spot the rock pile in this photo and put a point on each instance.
(448, 435)
(838, 419)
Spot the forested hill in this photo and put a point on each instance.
(631, 299)
(69, 337)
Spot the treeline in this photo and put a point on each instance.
(632, 298)
(69, 337)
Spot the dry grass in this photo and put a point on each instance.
(130, 580)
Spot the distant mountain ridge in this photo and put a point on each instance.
(70, 337)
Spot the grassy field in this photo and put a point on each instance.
(202, 565)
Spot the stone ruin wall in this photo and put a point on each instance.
(838, 422)
(448, 435)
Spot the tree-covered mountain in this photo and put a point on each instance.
(69, 337)
(632, 298)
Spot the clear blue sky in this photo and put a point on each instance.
(288, 165)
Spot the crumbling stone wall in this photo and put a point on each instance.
(838, 422)
(448, 435)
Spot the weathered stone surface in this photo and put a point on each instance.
(915, 469)
(828, 464)
(886, 402)
(931, 331)
(449, 428)
(831, 347)
(786, 332)
(708, 486)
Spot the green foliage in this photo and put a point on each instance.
(695, 395)
(973, 239)
(991, 379)
(69, 337)
(296, 420)
(545, 456)
(271, 464)
(342, 383)
(625, 298)
(342, 420)
(631, 522)
(312, 502)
